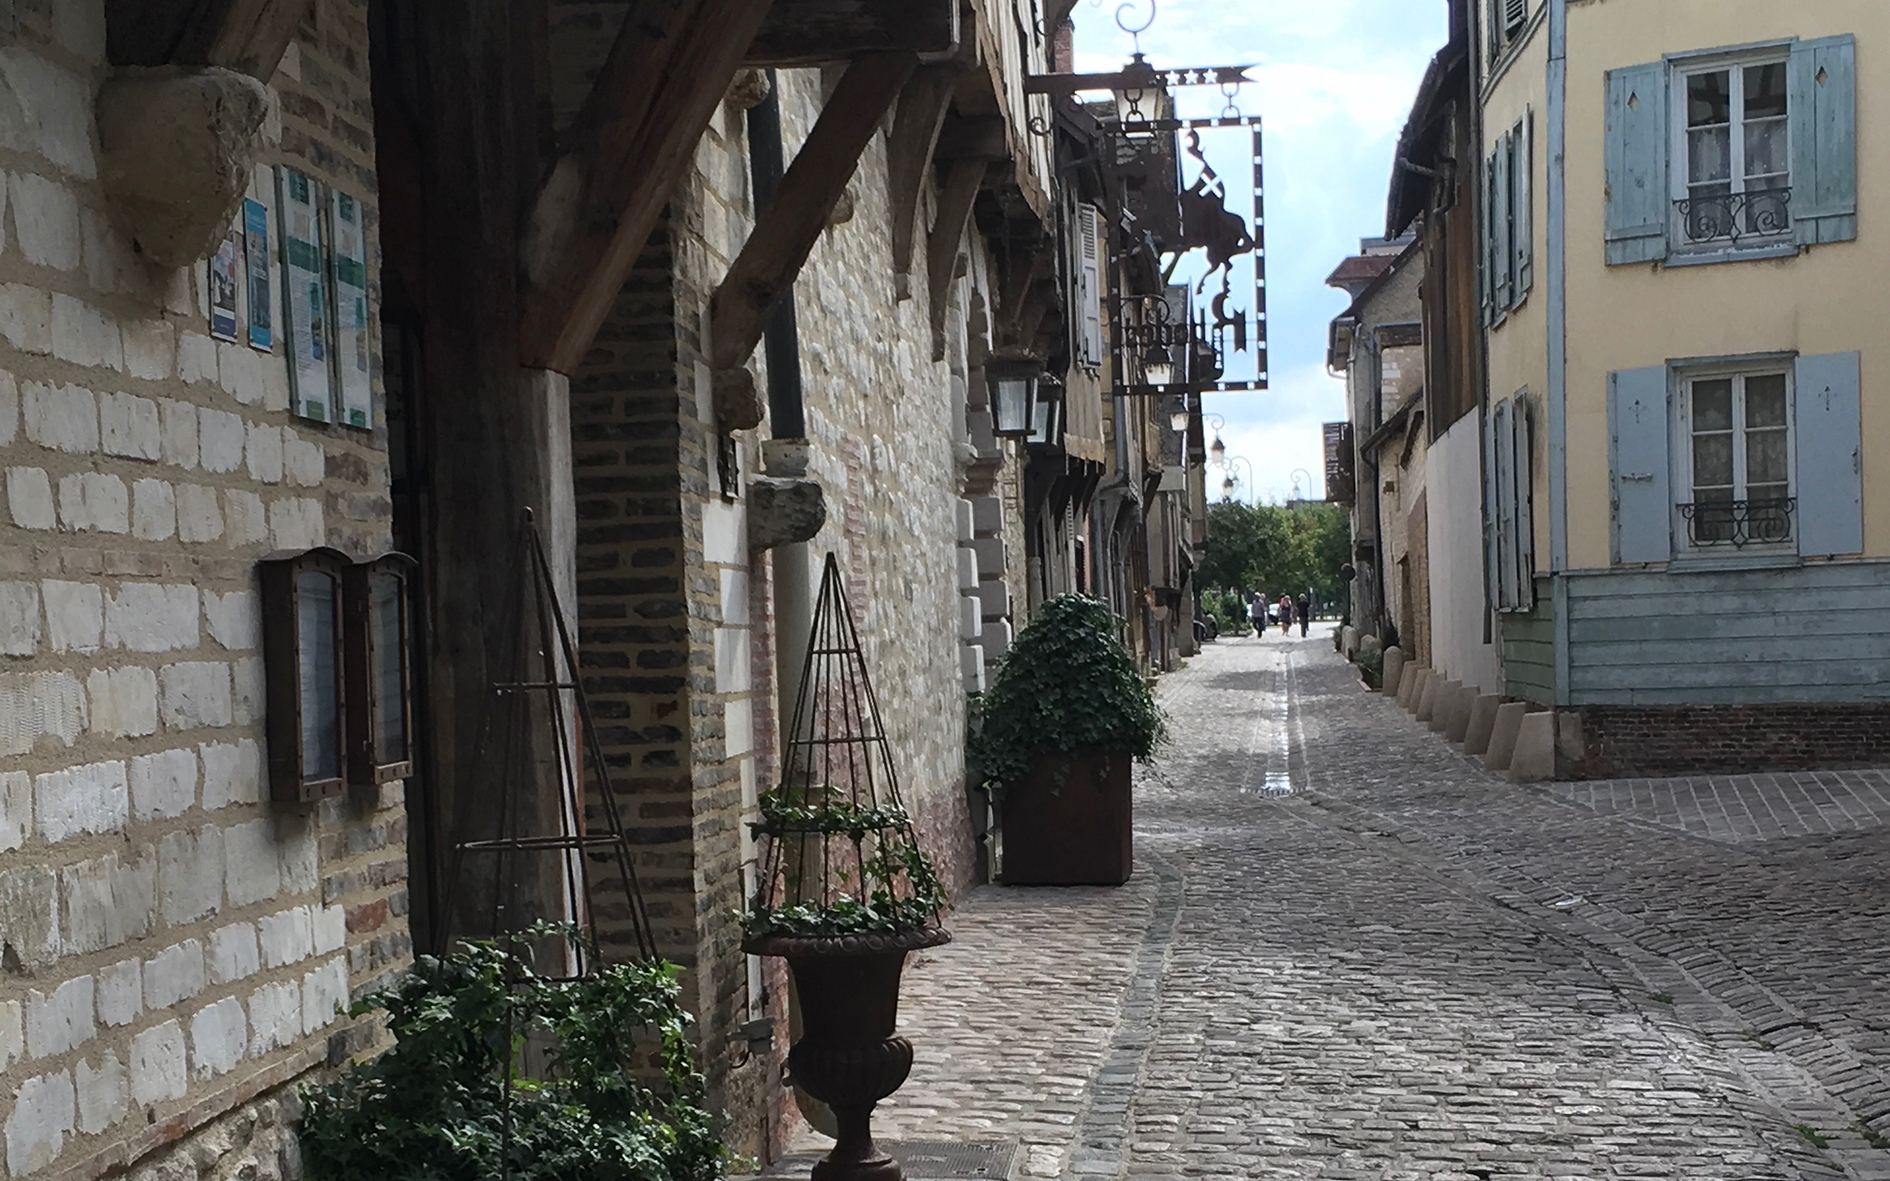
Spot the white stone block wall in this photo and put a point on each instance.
(172, 944)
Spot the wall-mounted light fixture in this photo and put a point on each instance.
(1013, 382)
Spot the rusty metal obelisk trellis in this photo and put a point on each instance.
(846, 893)
(539, 734)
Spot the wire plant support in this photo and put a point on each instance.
(840, 855)
(539, 731)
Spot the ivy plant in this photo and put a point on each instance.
(434, 1107)
(1066, 685)
(873, 879)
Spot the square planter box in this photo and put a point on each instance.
(1071, 824)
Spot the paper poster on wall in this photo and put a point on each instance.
(256, 258)
(304, 295)
(223, 290)
(352, 365)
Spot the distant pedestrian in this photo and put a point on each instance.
(1257, 613)
(1305, 613)
(1286, 615)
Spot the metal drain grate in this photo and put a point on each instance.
(944, 1160)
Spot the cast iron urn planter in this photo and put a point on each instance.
(846, 894)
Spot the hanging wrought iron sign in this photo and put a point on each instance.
(1146, 137)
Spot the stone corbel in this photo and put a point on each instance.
(738, 401)
(787, 505)
(178, 147)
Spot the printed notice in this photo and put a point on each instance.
(256, 257)
(304, 295)
(352, 365)
(223, 290)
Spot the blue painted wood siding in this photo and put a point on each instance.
(1528, 640)
(1815, 633)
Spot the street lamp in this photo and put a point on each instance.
(1228, 484)
(1138, 84)
(1217, 424)
(1179, 416)
(1158, 366)
(1013, 382)
(1297, 473)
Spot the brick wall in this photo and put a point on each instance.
(1634, 741)
(174, 945)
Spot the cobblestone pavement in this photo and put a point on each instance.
(1349, 952)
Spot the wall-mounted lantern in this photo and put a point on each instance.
(1013, 382)
(1046, 419)
(304, 663)
(1158, 365)
(1138, 92)
(1179, 416)
(379, 680)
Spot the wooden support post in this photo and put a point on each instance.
(922, 108)
(248, 36)
(634, 139)
(948, 232)
(791, 222)
(824, 32)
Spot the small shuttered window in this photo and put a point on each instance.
(1509, 243)
(1509, 471)
(1090, 271)
(1724, 153)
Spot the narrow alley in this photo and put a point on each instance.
(1350, 952)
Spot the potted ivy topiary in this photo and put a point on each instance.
(1056, 737)
(845, 892)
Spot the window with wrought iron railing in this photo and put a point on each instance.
(1739, 459)
(1733, 124)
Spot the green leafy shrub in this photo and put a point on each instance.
(1371, 665)
(1066, 685)
(433, 1107)
(897, 887)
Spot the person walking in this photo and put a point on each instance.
(1286, 615)
(1257, 613)
(1304, 608)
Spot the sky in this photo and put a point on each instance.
(1334, 82)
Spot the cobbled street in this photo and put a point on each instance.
(1350, 952)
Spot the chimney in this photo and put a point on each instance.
(1063, 48)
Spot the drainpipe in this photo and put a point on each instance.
(785, 455)
(1557, 274)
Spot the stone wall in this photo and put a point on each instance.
(174, 944)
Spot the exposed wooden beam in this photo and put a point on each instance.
(1018, 290)
(825, 32)
(1056, 12)
(981, 137)
(955, 200)
(791, 222)
(922, 108)
(633, 140)
(248, 36)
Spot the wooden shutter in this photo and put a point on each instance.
(1090, 284)
(1523, 468)
(1638, 466)
(1637, 133)
(1515, 16)
(1830, 518)
(1505, 479)
(1522, 189)
(1823, 105)
(1502, 209)
(1492, 207)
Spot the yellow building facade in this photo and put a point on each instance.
(1687, 430)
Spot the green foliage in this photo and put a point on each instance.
(781, 814)
(901, 887)
(433, 1107)
(1277, 550)
(1228, 609)
(1371, 664)
(1066, 685)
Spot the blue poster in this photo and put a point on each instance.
(256, 254)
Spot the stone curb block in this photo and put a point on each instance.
(1503, 731)
(1460, 714)
(1534, 757)
(1427, 700)
(1482, 723)
(1392, 681)
(1443, 704)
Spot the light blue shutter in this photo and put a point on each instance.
(1501, 210)
(1522, 421)
(1823, 104)
(1637, 464)
(1492, 198)
(1521, 182)
(1637, 133)
(1492, 505)
(1504, 506)
(1830, 455)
